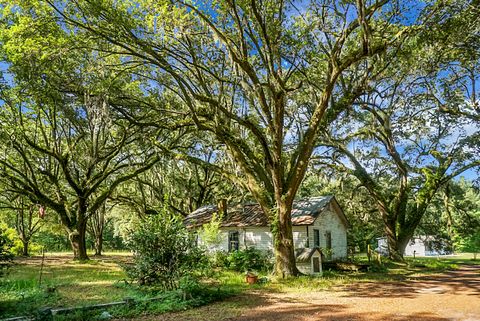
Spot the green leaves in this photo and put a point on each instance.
(164, 252)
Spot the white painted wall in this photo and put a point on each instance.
(328, 220)
(416, 245)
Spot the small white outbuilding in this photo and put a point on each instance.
(417, 246)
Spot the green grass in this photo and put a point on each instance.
(66, 283)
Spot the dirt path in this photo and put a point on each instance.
(450, 296)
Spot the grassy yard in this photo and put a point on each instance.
(66, 283)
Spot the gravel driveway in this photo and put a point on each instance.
(449, 296)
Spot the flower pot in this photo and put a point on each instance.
(251, 278)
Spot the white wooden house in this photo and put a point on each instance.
(319, 230)
(417, 246)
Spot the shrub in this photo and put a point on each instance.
(219, 259)
(249, 259)
(164, 252)
(6, 255)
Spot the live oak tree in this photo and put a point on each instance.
(64, 148)
(402, 149)
(454, 214)
(27, 222)
(453, 53)
(258, 76)
(187, 185)
(96, 225)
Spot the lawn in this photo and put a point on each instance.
(66, 283)
(63, 283)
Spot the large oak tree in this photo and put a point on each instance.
(258, 76)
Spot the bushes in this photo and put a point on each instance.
(6, 256)
(164, 252)
(243, 260)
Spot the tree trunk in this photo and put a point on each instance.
(283, 242)
(78, 241)
(397, 244)
(395, 247)
(98, 244)
(25, 251)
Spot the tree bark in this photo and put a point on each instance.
(77, 239)
(397, 240)
(396, 247)
(98, 244)
(25, 248)
(283, 242)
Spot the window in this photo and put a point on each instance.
(232, 241)
(316, 238)
(328, 241)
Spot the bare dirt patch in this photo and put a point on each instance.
(448, 296)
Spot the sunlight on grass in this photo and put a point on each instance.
(67, 283)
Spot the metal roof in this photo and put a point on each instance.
(304, 212)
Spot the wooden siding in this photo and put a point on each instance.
(328, 220)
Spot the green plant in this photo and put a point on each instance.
(249, 259)
(6, 256)
(209, 233)
(164, 252)
(471, 244)
(219, 259)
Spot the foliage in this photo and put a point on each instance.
(257, 80)
(471, 244)
(53, 241)
(239, 96)
(164, 252)
(249, 259)
(5, 251)
(209, 232)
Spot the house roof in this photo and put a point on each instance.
(304, 212)
(303, 255)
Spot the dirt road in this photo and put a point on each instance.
(450, 296)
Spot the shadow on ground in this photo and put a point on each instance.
(465, 280)
(328, 313)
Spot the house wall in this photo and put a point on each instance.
(416, 245)
(258, 237)
(329, 221)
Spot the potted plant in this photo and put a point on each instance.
(251, 277)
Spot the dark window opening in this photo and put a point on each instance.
(232, 241)
(316, 238)
(328, 241)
